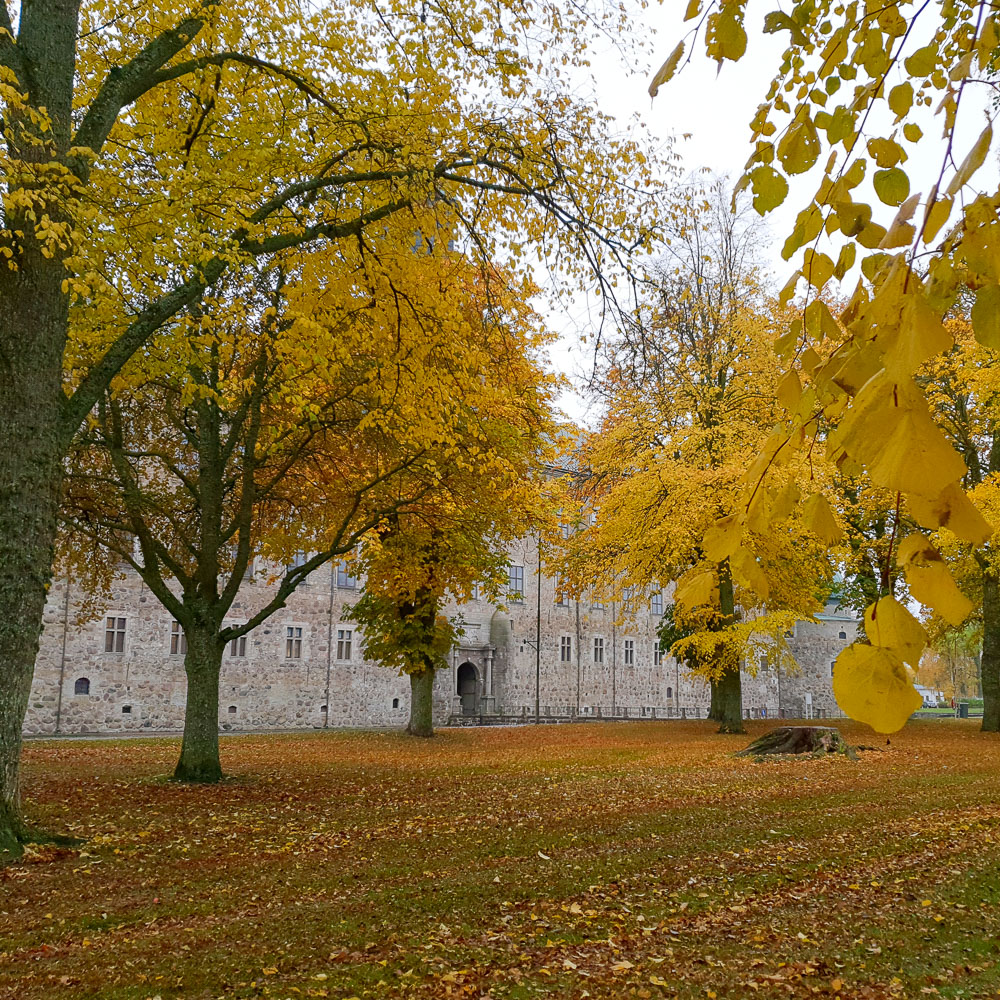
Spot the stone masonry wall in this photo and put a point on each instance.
(80, 688)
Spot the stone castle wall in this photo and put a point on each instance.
(79, 687)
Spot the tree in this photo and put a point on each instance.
(288, 425)
(490, 492)
(687, 391)
(833, 107)
(149, 150)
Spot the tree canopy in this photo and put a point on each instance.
(850, 103)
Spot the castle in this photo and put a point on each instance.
(304, 668)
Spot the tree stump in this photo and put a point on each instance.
(814, 740)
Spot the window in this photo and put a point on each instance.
(395, 703)
(598, 649)
(657, 654)
(597, 606)
(515, 583)
(238, 647)
(293, 642)
(562, 595)
(344, 578)
(178, 640)
(566, 530)
(566, 649)
(763, 663)
(670, 692)
(114, 634)
(126, 709)
(232, 709)
(656, 604)
(841, 635)
(474, 593)
(344, 639)
(298, 560)
(629, 658)
(82, 685)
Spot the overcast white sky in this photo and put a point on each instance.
(708, 113)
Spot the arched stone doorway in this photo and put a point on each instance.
(468, 688)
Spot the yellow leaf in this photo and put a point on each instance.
(872, 685)
(889, 625)
(892, 186)
(912, 132)
(890, 431)
(789, 391)
(820, 521)
(817, 268)
(921, 335)
(696, 589)
(722, 539)
(667, 70)
(923, 61)
(953, 510)
(693, 9)
(986, 317)
(725, 37)
(799, 147)
(929, 580)
(785, 501)
(769, 188)
(972, 162)
(748, 574)
(935, 217)
(901, 99)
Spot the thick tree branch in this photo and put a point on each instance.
(125, 84)
(168, 305)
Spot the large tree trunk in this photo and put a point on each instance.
(421, 703)
(33, 325)
(990, 664)
(727, 702)
(726, 706)
(32, 336)
(200, 747)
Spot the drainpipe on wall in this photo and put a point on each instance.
(62, 658)
(329, 643)
(538, 630)
(579, 640)
(614, 660)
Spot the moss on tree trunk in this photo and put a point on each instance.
(421, 703)
(199, 761)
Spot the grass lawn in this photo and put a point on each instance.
(628, 860)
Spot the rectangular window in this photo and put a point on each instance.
(474, 592)
(299, 559)
(515, 583)
(656, 604)
(344, 578)
(628, 597)
(114, 634)
(598, 649)
(657, 654)
(178, 640)
(344, 638)
(566, 648)
(597, 606)
(238, 647)
(566, 530)
(629, 659)
(293, 642)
